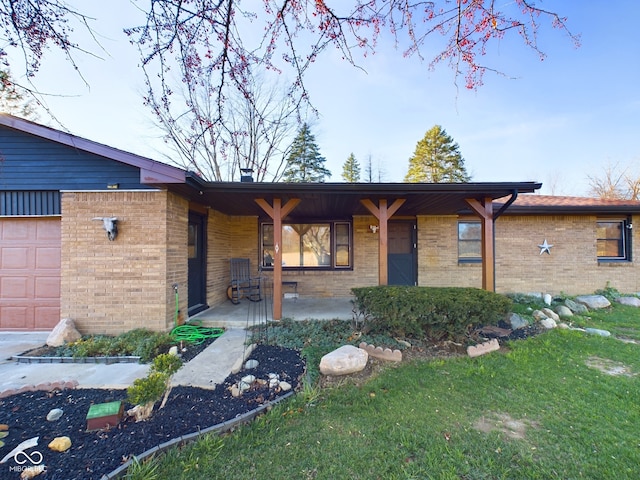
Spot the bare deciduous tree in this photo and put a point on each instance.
(616, 183)
(213, 48)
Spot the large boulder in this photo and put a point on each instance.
(344, 360)
(564, 311)
(631, 301)
(550, 314)
(516, 321)
(576, 307)
(64, 332)
(593, 301)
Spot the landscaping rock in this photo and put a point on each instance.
(576, 307)
(344, 360)
(593, 301)
(491, 331)
(64, 332)
(539, 315)
(631, 301)
(249, 364)
(516, 321)
(597, 331)
(483, 348)
(54, 415)
(60, 444)
(564, 311)
(548, 323)
(285, 386)
(550, 314)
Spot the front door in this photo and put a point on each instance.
(401, 260)
(197, 263)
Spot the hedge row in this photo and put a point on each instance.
(434, 313)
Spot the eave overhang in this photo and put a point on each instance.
(343, 200)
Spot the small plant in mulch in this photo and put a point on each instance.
(145, 392)
(4, 433)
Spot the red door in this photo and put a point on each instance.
(29, 273)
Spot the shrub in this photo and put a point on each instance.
(139, 342)
(148, 389)
(434, 313)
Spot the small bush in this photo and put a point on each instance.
(434, 313)
(148, 389)
(166, 363)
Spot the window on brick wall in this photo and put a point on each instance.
(613, 239)
(321, 245)
(469, 241)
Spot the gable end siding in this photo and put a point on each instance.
(28, 162)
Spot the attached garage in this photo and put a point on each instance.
(30, 265)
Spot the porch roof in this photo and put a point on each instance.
(342, 200)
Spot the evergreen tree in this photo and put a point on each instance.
(351, 170)
(437, 159)
(13, 99)
(305, 164)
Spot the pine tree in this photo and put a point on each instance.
(13, 100)
(305, 164)
(437, 159)
(351, 170)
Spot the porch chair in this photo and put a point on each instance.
(243, 283)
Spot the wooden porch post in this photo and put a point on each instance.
(383, 213)
(484, 210)
(277, 212)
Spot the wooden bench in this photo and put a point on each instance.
(292, 285)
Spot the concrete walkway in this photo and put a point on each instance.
(206, 370)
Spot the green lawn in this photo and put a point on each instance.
(538, 409)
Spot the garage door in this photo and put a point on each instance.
(29, 273)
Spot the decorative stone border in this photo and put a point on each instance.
(101, 360)
(47, 387)
(191, 437)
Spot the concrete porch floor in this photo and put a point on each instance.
(248, 313)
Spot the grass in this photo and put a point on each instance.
(452, 419)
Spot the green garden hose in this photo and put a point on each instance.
(195, 333)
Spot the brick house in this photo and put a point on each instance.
(177, 232)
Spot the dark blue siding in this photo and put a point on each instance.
(28, 162)
(30, 203)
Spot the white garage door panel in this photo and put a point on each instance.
(29, 273)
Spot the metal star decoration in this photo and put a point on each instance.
(545, 247)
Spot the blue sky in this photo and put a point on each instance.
(556, 121)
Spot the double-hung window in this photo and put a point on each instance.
(469, 241)
(613, 239)
(321, 245)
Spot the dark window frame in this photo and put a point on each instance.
(624, 240)
(460, 241)
(334, 225)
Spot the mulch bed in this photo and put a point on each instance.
(94, 454)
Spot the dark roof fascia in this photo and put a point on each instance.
(493, 189)
(151, 171)
(573, 210)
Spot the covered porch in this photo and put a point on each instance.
(247, 313)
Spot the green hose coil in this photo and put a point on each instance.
(195, 333)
